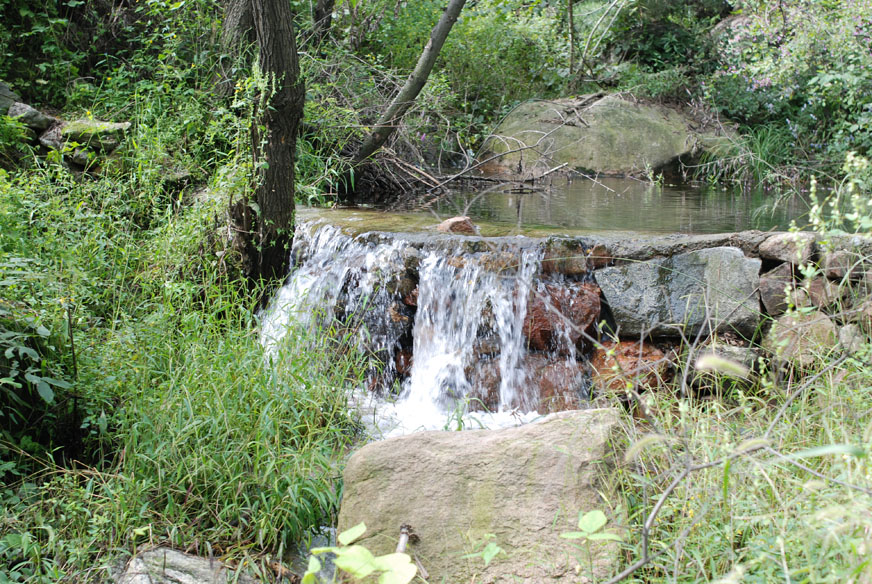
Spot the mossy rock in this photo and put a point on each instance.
(97, 134)
(609, 135)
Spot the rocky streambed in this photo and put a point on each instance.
(542, 324)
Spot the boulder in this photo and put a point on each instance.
(801, 338)
(30, 117)
(168, 566)
(775, 285)
(615, 365)
(564, 256)
(711, 288)
(7, 98)
(558, 315)
(794, 248)
(562, 386)
(619, 249)
(462, 225)
(95, 134)
(851, 338)
(519, 488)
(609, 135)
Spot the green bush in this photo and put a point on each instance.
(806, 66)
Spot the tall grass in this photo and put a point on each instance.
(187, 435)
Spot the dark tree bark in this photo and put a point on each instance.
(322, 18)
(237, 32)
(388, 122)
(274, 220)
(264, 227)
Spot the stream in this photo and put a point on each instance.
(453, 325)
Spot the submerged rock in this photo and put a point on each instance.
(519, 488)
(715, 289)
(608, 135)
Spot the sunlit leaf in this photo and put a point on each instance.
(356, 560)
(310, 577)
(605, 535)
(592, 521)
(351, 534)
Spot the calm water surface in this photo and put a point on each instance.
(627, 205)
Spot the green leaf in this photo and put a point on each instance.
(401, 575)
(604, 535)
(22, 351)
(848, 449)
(44, 391)
(42, 331)
(356, 560)
(592, 521)
(57, 382)
(351, 534)
(490, 551)
(312, 571)
(574, 535)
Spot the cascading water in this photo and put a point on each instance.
(458, 309)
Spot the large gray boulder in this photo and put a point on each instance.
(30, 116)
(168, 566)
(714, 288)
(7, 98)
(604, 135)
(523, 485)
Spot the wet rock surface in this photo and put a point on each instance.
(505, 324)
(559, 316)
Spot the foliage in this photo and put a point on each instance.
(804, 65)
(13, 142)
(359, 563)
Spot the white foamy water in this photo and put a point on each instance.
(460, 301)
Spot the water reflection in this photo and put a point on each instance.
(626, 204)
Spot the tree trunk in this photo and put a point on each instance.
(273, 224)
(236, 31)
(322, 17)
(414, 84)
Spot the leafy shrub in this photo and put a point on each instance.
(804, 65)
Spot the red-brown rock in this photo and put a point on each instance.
(559, 385)
(553, 308)
(643, 367)
(462, 225)
(403, 362)
(772, 289)
(599, 256)
(411, 299)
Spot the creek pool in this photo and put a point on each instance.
(620, 204)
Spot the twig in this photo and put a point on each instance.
(555, 169)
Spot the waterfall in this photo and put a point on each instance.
(457, 306)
